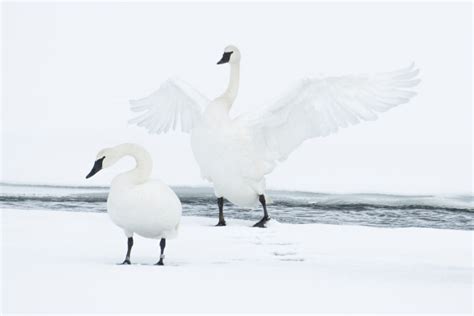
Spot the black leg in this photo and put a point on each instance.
(220, 204)
(130, 245)
(162, 247)
(265, 218)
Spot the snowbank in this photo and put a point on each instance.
(66, 262)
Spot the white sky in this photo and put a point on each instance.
(68, 71)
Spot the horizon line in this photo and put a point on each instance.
(71, 186)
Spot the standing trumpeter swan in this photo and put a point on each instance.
(235, 154)
(137, 204)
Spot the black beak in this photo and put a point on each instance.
(97, 167)
(225, 58)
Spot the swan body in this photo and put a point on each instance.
(228, 157)
(235, 154)
(135, 203)
(151, 209)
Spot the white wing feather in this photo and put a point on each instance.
(319, 107)
(174, 103)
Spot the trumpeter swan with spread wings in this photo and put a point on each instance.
(235, 154)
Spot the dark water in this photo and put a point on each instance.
(444, 212)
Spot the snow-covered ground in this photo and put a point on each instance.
(66, 262)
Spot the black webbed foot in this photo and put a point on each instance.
(160, 263)
(221, 223)
(261, 223)
(126, 261)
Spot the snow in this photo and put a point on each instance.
(66, 262)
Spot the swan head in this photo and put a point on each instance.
(105, 158)
(231, 55)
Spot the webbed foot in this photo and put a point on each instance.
(221, 223)
(261, 223)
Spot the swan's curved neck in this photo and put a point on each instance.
(144, 163)
(233, 88)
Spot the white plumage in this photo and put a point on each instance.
(320, 106)
(179, 104)
(235, 154)
(135, 203)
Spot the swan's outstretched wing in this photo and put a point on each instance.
(319, 107)
(174, 103)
